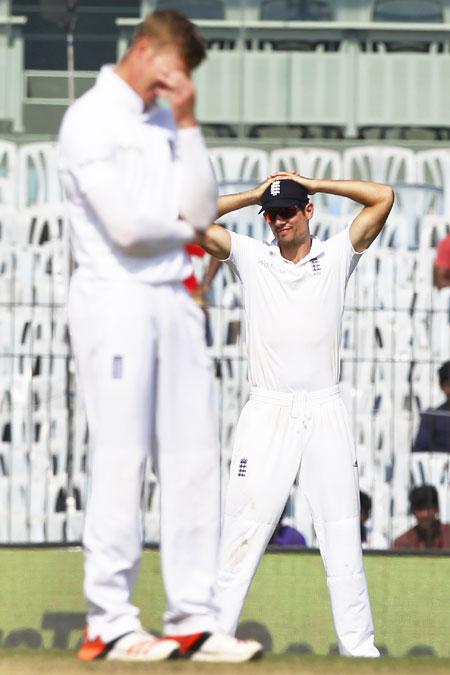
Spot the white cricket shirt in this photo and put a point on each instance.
(293, 311)
(128, 174)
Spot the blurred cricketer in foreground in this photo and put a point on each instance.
(139, 186)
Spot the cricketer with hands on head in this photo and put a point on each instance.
(295, 423)
(139, 186)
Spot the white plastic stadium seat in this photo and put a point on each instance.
(38, 174)
(311, 163)
(238, 168)
(42, 223)
(381, 164)
(433, 167)
(8, 172)
(324, 225)
(432, 230)
(18, 505)
(9, 223)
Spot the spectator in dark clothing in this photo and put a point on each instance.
(429, 532)
(434, 430)
(284, 535)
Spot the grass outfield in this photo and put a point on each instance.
(56, 663)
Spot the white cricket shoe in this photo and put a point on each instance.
(135, 646)
(217, 647)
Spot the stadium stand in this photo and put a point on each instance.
(396, 333)
(276, 70)
(195, 9)
(301, 10)
(293, 47)
(429, 11)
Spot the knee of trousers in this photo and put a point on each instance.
(340, 547)
(243, 543)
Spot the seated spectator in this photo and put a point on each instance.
(369, 538)
(284, 535)
(434, 429)
(441, 271)
(429, 532)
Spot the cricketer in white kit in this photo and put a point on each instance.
(295, 423)
(139, 186)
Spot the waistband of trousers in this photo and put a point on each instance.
(287, 398)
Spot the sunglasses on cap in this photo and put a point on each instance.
(282, 212)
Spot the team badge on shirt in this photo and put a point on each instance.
(242, 467)
(316, 268)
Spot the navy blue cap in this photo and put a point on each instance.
(284, 192)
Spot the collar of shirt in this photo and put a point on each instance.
(121, 92)
(315, 251)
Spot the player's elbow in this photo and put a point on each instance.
(390, 195)
(387, 197)
(384, 203)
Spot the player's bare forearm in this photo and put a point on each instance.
(361, 191)
(240, 200)
(376, 198)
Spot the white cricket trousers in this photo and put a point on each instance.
(280, 436)
(148, 386)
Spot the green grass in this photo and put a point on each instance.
(19, 662)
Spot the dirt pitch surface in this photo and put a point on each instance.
(53, 663)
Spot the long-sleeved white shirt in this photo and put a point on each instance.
(136, 187)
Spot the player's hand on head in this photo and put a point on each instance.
(178, 89)
(259, 189)
(307, 183)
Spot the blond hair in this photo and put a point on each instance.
(169, 27)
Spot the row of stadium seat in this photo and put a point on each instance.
(28, 172)
(396, 332)
(314, 10)
(38, 225)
